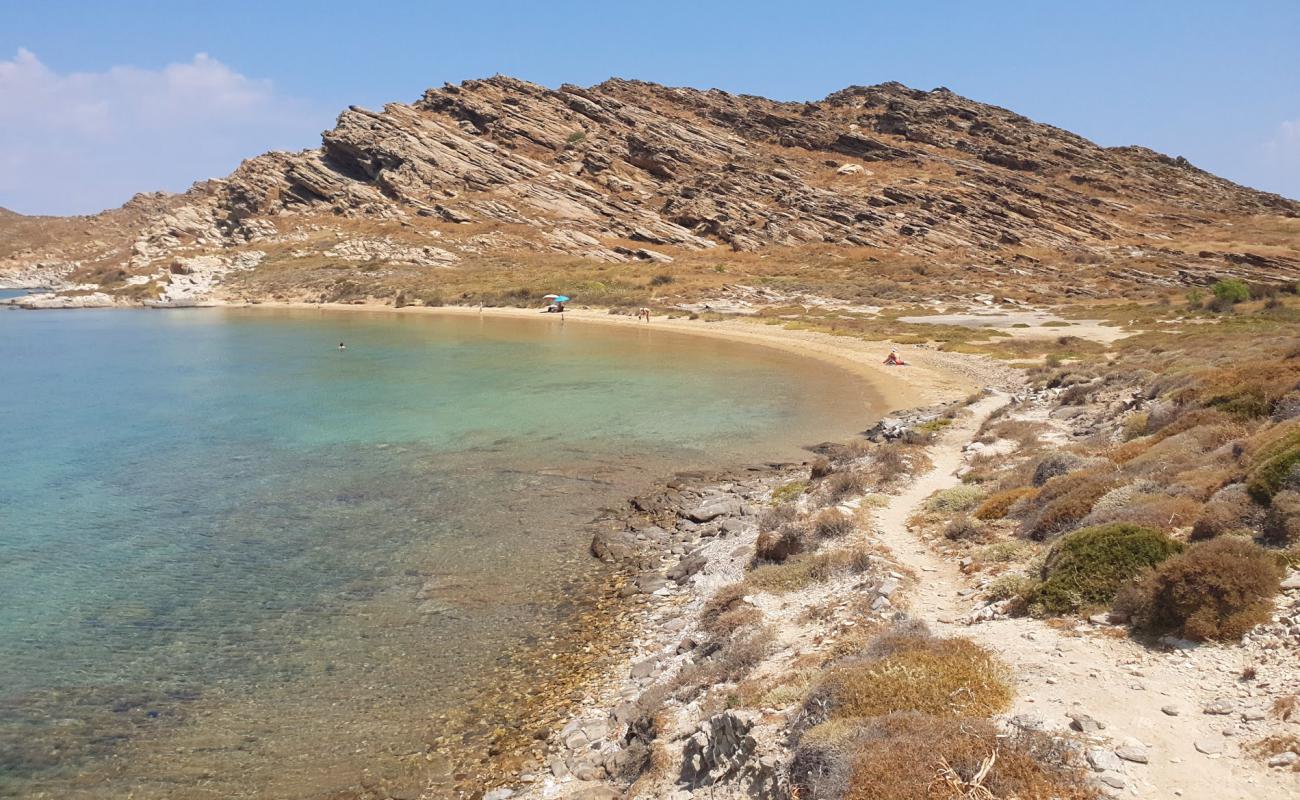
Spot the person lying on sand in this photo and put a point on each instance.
(893, 360)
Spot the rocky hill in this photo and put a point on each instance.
(501, 170)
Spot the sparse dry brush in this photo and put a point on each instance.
(832, 524)
(806, 569)
(842, 486)
(965, 529)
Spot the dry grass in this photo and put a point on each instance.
(955, 500)
(914, 673)
(843, 485)
(920, 757)
(807, 569)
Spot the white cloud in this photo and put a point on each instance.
(78, 142)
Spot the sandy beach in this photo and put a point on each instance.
(930, 376)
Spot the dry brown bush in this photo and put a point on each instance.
(1229, 511)
(965, 529)
(728, 598)
(1201, 484)
(920, 757)
(917, 673)
(820, 468)
(776, 516)
(832, 524)
(1056, 464)
(730, 661)
(997, 506)
(778, 545)
(1282, 522)
(843, 485)
(1217, 589)
(1065, 509)
(1160, 511)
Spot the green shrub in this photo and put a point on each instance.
(997, 505)
(956, 499)
(788, 491)
(1086, 568)
(1268, 475)
(1231, 291)
(1215, 590)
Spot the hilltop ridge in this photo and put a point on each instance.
(629, 171)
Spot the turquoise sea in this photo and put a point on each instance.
(237, 561)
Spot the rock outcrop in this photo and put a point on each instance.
(607, 172)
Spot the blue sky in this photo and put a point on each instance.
(100, 100)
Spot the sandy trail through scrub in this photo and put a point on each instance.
(1086, 670)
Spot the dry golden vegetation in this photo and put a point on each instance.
(1182, 496)
(907, 717)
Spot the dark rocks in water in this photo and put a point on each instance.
(614, 547)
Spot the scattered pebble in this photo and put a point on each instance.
(1210, 747)
(1284, 759)
(1138, 755)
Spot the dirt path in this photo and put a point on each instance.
(1089, 670)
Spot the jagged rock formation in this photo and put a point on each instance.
(502, 165)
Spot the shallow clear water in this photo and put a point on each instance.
(237, 561)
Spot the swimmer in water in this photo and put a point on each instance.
(342, 346)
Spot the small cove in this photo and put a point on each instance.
(239, 562)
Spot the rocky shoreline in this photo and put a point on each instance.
(674, 548)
